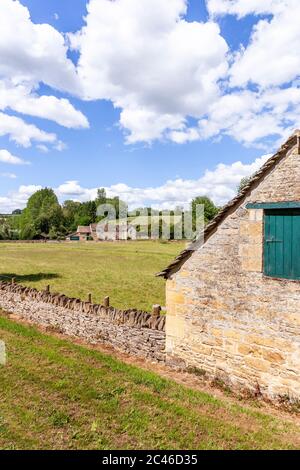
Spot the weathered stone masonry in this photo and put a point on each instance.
(224, 315)
(131, 331)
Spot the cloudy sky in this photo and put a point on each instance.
(156, 100)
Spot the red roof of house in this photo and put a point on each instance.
(82, 229)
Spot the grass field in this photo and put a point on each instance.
(123, 271)
(58, 395)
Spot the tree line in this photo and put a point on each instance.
(45, 218)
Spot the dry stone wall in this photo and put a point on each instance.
(134, 332)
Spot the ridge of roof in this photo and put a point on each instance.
(211, 228)
(83, 229)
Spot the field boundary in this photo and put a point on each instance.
(135, 332)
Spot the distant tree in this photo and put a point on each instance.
(42, 214)
(210, 210)
(14, 222)
(44, 217)
(5, 230)
(119, 206)
(27, 232)
(87, 213)
(244, 181)
(116, 203)
(17, 212)
(70, 212)
(101, 197)
(83, 220)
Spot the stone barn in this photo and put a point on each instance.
(233, 303)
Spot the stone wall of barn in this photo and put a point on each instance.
(224, 316)
(134, 332)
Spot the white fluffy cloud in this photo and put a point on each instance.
(30, 54)
(17, 199)
(71, 188)
(220, 184)
(22, 133)
(7, 157)
(272, 57)
(271, 62)
(157, 67)
(22, 99)
(244, 7)
(161, 70)
(33, 52)
(249, 116)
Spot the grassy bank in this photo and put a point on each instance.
(57, 395)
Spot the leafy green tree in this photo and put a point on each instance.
(5, 230)
(210, 210)
(116, 203)
(14, 222)
(27, 232)
(101, 197)
(42, 214)
(71, 213)
(84, 220)
(87, 213)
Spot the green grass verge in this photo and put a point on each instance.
(123, 271)
(58, 395)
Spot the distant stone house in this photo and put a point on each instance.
(233, 303)
(98, 232)
(112, 231)
(84, 233)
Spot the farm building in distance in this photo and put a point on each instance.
(104, 232)
(84, 233)
(233, 301)
(134, 228)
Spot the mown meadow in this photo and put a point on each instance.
(124, 271)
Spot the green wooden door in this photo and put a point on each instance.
(282, 243)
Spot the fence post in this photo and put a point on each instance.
(13, 280)
(106, 302)
(156, 309)
(47, 289)
(90, 298)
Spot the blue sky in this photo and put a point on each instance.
(223, 110)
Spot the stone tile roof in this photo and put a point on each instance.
(211, 228)
(83, 229)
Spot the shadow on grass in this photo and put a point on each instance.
(28, 277)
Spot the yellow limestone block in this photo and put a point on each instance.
(175, 327)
